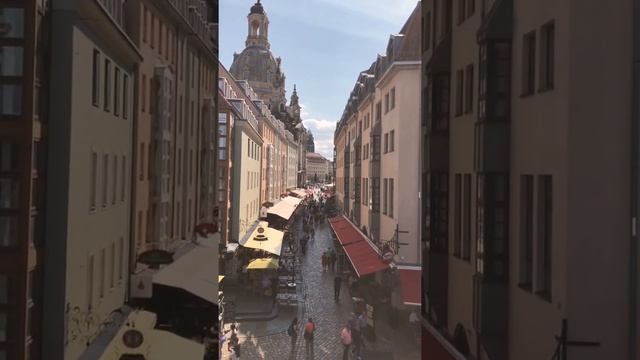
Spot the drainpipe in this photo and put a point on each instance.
(635, 201)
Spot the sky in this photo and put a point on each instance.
(324, 45)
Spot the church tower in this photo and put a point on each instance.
(258, 31)
(294, 105)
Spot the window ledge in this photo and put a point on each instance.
(527, 94)
(544, 295)
(525, 286)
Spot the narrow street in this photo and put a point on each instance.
(269, 339)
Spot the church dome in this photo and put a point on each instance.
(256, 64)
(257, 8)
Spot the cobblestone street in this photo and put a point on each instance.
(269, 340)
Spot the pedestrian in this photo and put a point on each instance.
(293, 332)
(345, 337)
(337, 285)
(332, 259)
(324, 261)
(356, 335)
(309, 329)
(232, 338)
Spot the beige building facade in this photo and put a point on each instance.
(516, 157)
(317, 167)
(88, 232)
(377, 140)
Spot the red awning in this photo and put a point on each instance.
(411, 280)
(345, 231)
(364, 258)
(432, 349)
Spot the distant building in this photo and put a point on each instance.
(317, 167)
(311, 146)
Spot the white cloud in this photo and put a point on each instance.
(319, 124)
(379, 10)
(304, 111)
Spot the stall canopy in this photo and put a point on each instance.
(411, 281)
(265, 238)
(193, 272)
(285, 208)
(361, 253)
(345, 231)
(299, 192)
(263, 264)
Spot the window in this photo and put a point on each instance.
(461, 11)
(107, 85)
(141, 163)
(457, 215)
(102, 271)
(385, 196)
(547, 56)
(544, 229)
(190, 167)
(471, 7)
(427, 31)
(145, 23)
(115, 180)
(5, 287)
(526, 231)
(153, 31)
(9, 192)
(378, 111)
(121, 259)
(143, 99)
(393, 98)
(390, 197)
(116, 93)
(386, 103)
(468, 98)
(90, 270)
(125, 97)
(112, 265)
(459, 91)
(160, 33)
(386, 143)
(124, 177)
(11, 60)
(105, 178)
(151, 96)
(528, 63)
(11, 99)
(392, 140)
(94, 180)
(8, 231)
(466, 231)
(179, 169)
(13, 21)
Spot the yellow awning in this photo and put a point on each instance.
(265, 238)
(262, 264)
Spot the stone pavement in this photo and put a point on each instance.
(269, 339)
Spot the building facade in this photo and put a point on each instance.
(88, 230)
(513, 135)
(317, 167)
(377, 140)
(24, 79)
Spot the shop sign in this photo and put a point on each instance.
(132, 338)
(155, 257)
(387, 256)
(141, 286)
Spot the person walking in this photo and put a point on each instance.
(332, 260)
(309, 329)
(345, 337)
(293, 332)
(324, 261)
(337, 285)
